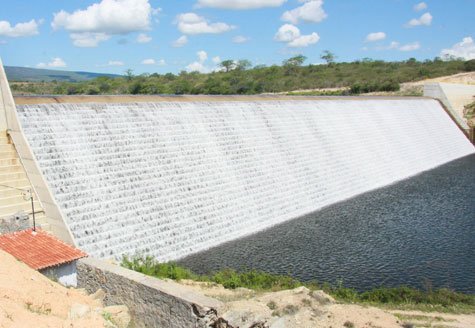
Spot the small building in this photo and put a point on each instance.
(45, 253)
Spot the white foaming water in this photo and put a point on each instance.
(174, 178)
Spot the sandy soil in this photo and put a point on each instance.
(302, 308)
(29, 299)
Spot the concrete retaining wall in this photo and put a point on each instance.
(453, 96)
(152, 302)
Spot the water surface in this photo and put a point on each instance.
(418, 232)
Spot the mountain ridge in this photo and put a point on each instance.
(28, 74)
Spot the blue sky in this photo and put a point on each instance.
(170, 36)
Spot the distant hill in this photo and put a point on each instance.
(15, 73)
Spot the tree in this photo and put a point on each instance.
(243, 64)
(295, 61)
(129, 74)
(228, 64)
(328, 56)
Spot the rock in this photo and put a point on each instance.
(79, 310)
(321, 297)
(99, 295)
(119, 315)
(279, 323)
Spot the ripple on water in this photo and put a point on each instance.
(417, 232)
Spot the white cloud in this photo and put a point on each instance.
(240, 39)
(239, 4)
(161, 62)
(464, 49)
(397, 46)
(197, 67)
(311, 11)
(287, 33)
(394, 45)
(420, 6)
(375, 37)
(20, 29)
(304, 41)
(143, 38)
(55, 63)
(216, 60)
(202, 55)
(115, 63)
(88, 40)
(148, 62)
(191, 24)
(410, 47)
(291, 35)
(106, 18)
(425, 19)
(180, 42)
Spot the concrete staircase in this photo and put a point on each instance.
(15, 186)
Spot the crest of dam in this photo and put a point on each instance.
(178, 176)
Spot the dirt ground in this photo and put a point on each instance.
(29, 299)
(305, 309)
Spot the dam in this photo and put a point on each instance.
(173, 176)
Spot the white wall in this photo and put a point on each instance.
(65, 273)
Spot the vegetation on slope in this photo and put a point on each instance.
(236, 77)
(440, 300)
(469, 110)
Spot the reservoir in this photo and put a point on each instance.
(418, 232)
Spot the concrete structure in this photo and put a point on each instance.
(179, 174)
(177, 177)
(152, 302)
(21, 161)
(454, 96)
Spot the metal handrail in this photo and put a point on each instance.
(30, 192)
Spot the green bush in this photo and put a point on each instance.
(263, 281)
(469, 65)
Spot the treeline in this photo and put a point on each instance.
(236, 77)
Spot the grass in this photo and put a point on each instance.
(407, 298)
(430, 300)
(320, 93)
(251, 279)
(43, 309)
(349, 324)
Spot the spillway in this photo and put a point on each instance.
(176, 177)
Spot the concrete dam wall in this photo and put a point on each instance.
(174, 177)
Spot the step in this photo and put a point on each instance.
(11, 168)
(8, 184)
(8, 154)
(9, 176)
(16, 199)
(12, 209)
(9, 161)
(4, 140)
(8, 192)
(6, 147)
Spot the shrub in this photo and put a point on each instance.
(469, 65)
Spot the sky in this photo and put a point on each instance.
(159, 36)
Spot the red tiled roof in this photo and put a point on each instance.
(40, 250)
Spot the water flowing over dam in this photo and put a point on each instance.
(177, 177)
